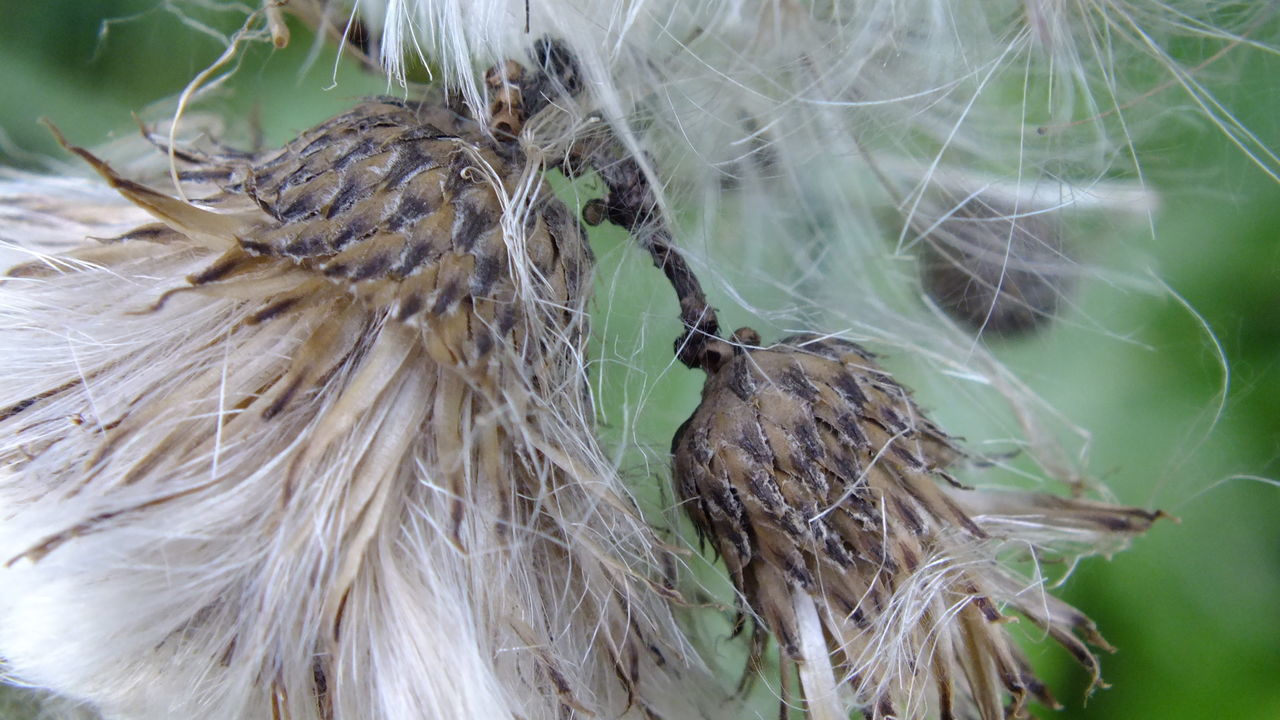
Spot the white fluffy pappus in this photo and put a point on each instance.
(804, 151)
(240, 486)
(810, 134)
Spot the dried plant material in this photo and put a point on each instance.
(194, 471)
(506, 108)
(276, 24)
(995, 270)
(825, 490)
(319, 446)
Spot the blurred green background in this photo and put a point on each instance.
(1194, 607)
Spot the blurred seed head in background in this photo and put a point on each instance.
(997, 272)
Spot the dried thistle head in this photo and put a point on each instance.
(825, 489)
(317, 445)
(405, 208)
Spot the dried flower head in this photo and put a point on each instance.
(825, 489)
(316, 445)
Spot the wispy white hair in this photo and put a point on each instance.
(817, 148)
(219, 513)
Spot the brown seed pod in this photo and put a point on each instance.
(403, 206)
(823, 486)
(996, 271)
(409, 208)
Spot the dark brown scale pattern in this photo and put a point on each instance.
(395, 202)
(787, 460)
(812, 472)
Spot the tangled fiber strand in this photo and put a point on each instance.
(345, 468)
(820, 151)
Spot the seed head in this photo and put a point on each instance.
(402, 206)
(824, 487)
(996, 271)
(317, 445)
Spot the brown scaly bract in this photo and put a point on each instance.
(823, 486)
(401, 206)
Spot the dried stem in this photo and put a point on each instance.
(630, 203)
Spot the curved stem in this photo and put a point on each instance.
(699, 318)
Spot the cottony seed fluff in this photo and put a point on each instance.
(330, 452)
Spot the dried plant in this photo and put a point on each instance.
(311, 435)
(996, 271)
(345, 468)
(825, 489)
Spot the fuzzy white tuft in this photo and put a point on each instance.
(258, 496)
(816, 149)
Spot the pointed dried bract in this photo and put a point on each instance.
(824, 488)
(318, 446)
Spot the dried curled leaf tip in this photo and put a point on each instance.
(825, 489)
